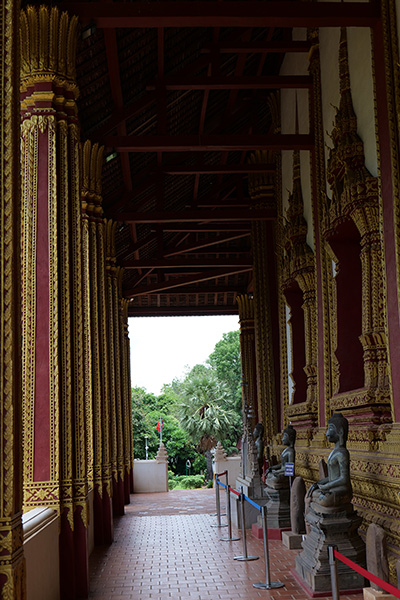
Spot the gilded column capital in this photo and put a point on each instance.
(48, 51)
(246, 308)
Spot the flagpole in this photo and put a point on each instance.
(161, 426)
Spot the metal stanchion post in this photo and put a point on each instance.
(334, 575)
(268, 585)
(244, 556)
(221, 514)
(228, 510)
(217, 499)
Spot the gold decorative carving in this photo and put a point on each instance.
(355, 196)
(48, 50)
(104, 352)
(318, 177)
(299, 267)
(12, 567)
(92, 161)
(262, 192)
(111, 274)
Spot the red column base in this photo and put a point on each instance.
(127, 495)
(81, 555)
(118, 497)
(67, 559)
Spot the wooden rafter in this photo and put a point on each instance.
(225, 14)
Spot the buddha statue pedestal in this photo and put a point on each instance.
(330, 526)
(278, 507)
(277, 487)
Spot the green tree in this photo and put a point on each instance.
(201, 413)
(142, 403)
(147, 410)
(225, 360)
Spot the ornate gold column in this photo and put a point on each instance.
(126, 406)
(54, 287)
(87, 321)
(262, 193)
(117, 465)
(249, 379)
(12, 564)
(103, 495)
(98, 442)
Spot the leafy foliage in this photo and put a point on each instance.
(198, 410)
(225, 360)
(184, 482)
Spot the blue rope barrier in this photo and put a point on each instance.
(220, 483)
(257, 506)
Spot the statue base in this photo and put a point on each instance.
(331, 526)
(292, 540)
(371, 594)
(278, 507)
(252, 488)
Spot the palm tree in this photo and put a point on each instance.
(201, 414)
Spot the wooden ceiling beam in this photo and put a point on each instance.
(218, 169)
(196, 216)
(202, 244)
(127, 112)
(235, 83)
(258, 47)
(159, 288)
(208, 289)
(205, 143)
(196, 228)
(183, 263)
(225, 14)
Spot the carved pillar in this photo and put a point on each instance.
(249, 379)
(104, 492)
(262, 192)
(119, 388)
(129, 396)
(114, 364)
(12, 564)
(56, 425)
(92, 164)
(126, 407)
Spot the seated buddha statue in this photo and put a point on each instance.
(335, 490)
(275, 475)
(258, 436)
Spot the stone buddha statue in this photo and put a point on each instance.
(258, 436)
(335, 490)
(275, 475)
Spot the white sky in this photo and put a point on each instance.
(161, 347)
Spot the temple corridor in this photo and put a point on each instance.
(166, 548)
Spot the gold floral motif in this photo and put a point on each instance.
(262, 192)
(110, 270)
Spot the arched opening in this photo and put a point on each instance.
(296, 344)
(345, 244)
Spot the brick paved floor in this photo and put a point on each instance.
(165, 548)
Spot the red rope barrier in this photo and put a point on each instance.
(234, 491)
(220, 474)
(386, 586)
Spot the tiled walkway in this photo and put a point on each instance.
(165, 548)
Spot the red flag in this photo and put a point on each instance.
(160, 425)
